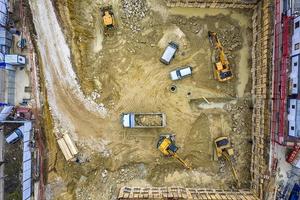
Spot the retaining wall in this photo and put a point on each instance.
(262, 24)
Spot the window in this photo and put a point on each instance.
(297, 46)
(294, 85)
(292, 128)
(297, 24)
(293, 106)
(295, 64)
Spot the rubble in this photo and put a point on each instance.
(133, 12)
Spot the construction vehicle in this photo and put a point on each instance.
(166, 145)
(222, 71)
(108, 17)
(143, 120)
(225, 150)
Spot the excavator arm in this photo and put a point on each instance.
(181, 161)
(227, 158)
(222, 70)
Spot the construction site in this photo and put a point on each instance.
(155, 99)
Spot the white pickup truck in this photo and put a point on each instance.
(181, 73)
(143, 120)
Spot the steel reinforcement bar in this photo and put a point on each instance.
(156, 193)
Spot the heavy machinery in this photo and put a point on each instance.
(143, 120)
(222, 71)
(108, 17)
(166, 145)
(225, 150)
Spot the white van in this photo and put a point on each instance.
(14, 136)
(181, 73)
(169, 53)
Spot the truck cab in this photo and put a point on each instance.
(126, 121)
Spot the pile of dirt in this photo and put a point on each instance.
(148, 120)
(134, 12)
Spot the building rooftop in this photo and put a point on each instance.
(294, 118)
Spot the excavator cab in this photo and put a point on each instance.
(223, 146)
(108, 19)
(166, 145)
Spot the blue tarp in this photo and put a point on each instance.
(295, 193)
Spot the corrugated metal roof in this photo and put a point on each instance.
(26, 146)
(26, 184)
(26, 155)
(294, 118)
(296, 37)
(26, 175)
(5, 111)
(297, 6)
(26, 194)
(295, 74)
(27, 162)
(3, 12)
(27, 165)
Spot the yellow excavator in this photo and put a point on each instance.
(108, 19)
(166, 145)
(222, 71)
(225, 150)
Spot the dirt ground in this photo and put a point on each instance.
(13, 166)
(122, 72)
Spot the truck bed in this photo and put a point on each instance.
(149, 119)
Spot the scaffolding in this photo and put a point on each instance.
(276, 75)
(281, 61)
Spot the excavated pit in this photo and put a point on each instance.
(123, 73)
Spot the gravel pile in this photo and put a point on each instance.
(134, 12)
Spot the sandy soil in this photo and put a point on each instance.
(122, 73)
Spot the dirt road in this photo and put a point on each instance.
(66, 99)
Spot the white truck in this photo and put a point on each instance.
(169, 53)
(181, 73)
(143, 120)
